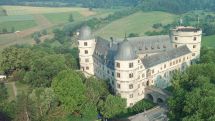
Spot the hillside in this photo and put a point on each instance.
(139, 23)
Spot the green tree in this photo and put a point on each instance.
(71, 19)
(43, 100)
(43, 70)
(96, 89)
(70, 90)
(112, 106)
(14, 58)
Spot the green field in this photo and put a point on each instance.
(23, 10)
(57, 18)
(139, 22)
(18, 25)
(208, 41)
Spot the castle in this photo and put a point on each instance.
(131, 64)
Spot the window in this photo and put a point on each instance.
(85, 43)
(194, 46)
(118, 86)
(118, 65)
(153, 71)
(180, 60)
(143, 75)
(131, 75)
(194, 38)
(86, 51)
(164, 46)
(131, 65)
(87, 68)
(193, 54)
(131, 104)
(173, 62)
(170, 64)
(86, 60)
(131, 95)
(176, 46)
(184, 59)
(118, 75)
(138, 85)
(176, 38)
(164, 65)
(130, 86)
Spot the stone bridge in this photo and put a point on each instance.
(157, 95)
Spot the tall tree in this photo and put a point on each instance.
(70, 90)
(112, 106)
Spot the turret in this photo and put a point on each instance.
(126, 64)
(189, 36)
(86, 45)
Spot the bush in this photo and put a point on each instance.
(141, 106)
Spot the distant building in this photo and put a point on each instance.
(131, 64)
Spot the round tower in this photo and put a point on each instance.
(126, 64)
(86, 45)
(189, 36)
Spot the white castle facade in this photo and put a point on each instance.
(132, 64)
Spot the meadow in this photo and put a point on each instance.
(139, 23)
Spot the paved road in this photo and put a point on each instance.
(156, 114)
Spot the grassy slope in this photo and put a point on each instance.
(57, 18)
(139, 22)
(23, 10)
(208, 41)
(18, 25)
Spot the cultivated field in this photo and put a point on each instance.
(139, 22)
(28, 20)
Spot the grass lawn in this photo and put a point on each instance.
(10, 91)
(21, 87)
(18, 25)
(208, 41)
(57, 18)
(139, 22)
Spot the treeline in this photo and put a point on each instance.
(178, 6)
(173, 6)
(83, 3)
